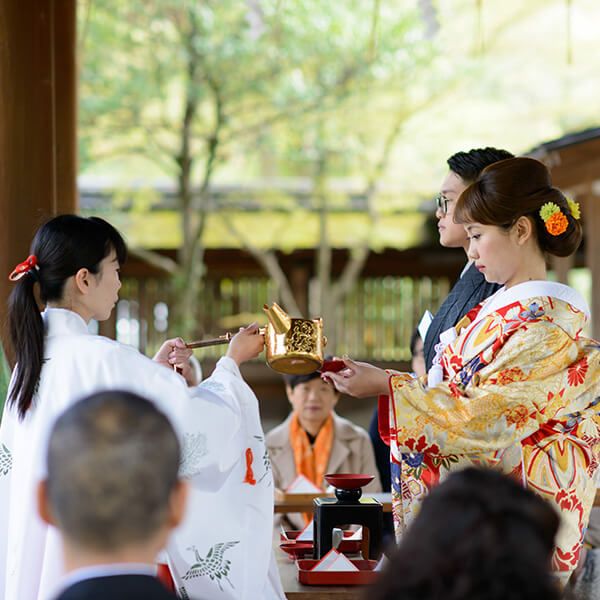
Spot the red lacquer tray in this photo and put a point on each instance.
(347, 546)
(364, 575)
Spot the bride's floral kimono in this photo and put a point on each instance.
(520, 392)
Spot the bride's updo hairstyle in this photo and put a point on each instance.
(519, 187)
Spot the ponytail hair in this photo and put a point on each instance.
(62, 246)
(517, 187)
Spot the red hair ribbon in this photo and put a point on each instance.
(24, 268)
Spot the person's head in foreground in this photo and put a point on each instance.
(464, 168)
(513, 218)
(112, 484)
(479, 535)
(75, 263)
(312, 399)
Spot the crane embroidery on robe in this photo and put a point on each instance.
(216, 387)
(183, 594)
(215, 565)
(265, 457)
(194, 447)
(5, 460)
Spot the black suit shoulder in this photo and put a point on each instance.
(118, 587)
(467, 293)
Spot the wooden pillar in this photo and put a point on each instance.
(38, 149)
(561, 267)
(299, 281)
(591, 216)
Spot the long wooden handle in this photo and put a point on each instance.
(222, 339)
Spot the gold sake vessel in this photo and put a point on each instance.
(293, 346)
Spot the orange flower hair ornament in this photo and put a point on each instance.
(554, 219)
(25, 267)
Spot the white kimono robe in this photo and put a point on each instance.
(223, 547)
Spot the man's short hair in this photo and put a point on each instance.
(468, 165)
(113, 461)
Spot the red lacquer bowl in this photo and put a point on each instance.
(297, 549)
(347, 481)
(346, 545)
(332, 365)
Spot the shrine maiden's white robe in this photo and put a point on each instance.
(223, 547)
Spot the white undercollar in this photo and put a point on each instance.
(531, 289)
(466, 268)
(61, 320)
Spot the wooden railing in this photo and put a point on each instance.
(375, 322)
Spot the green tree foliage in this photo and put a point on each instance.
(258, 87)
(4, 380)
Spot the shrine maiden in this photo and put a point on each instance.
(517, 385)
(223, 548)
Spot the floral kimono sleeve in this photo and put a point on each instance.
(498, 397)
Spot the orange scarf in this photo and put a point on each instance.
(311, 461)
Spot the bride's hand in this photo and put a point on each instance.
(359, 379)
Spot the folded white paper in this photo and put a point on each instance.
(424, 324)
(382, 561)
(306, 535)
(357, 535)
(334, 561)
(303, 485)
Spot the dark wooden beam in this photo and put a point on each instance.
(591, 208)
(573, 165)
(414, 262)
(566, 176)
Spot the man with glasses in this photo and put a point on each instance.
(472, 287)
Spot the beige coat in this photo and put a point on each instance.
(351, 452)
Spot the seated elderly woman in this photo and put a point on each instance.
(314, 441)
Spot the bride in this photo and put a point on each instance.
(515, 384)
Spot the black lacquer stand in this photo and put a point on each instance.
(347, 508)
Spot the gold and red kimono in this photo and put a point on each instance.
(520, 393)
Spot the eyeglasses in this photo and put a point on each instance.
(442, 202)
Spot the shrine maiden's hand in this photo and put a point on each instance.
(246, 344)
(359, 379)
(173, 352)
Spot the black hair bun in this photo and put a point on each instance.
(563, 244)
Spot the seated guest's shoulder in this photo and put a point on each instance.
(346, 429)
(279, 435)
